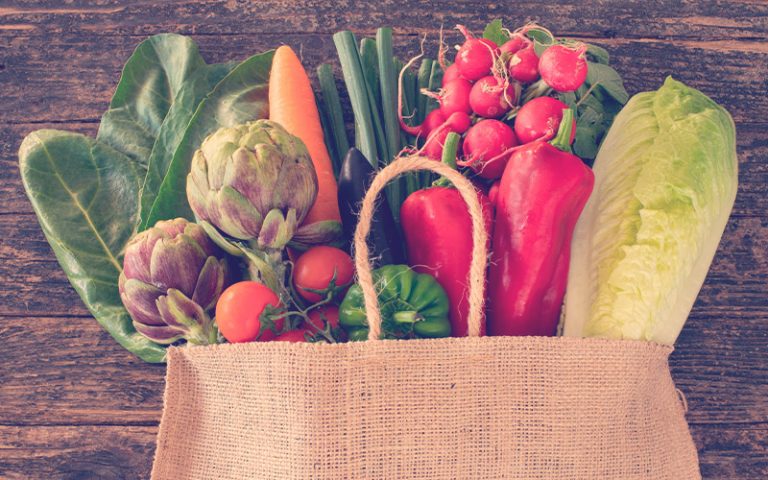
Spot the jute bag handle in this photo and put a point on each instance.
(479, 239)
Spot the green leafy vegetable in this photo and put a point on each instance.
(351, 67)
(85, 195)
(241, 96)
(495, 32)
(597, 54)
(665, 183)
(331, 104)
(153, 76)
(608, 79)
(172, 132)
(388, 83)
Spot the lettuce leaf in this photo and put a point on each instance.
(665, 184)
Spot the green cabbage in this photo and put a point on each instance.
(665, 183)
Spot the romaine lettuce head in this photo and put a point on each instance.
(665, 183)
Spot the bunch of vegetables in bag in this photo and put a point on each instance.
(503, 96)
(218, 202)
(523, 114)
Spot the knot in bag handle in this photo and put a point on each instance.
(479, 240)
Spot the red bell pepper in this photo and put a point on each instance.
(541, 195)
(438, 236)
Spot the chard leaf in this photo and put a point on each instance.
(85, 195)
(241, 96)
(172, 132)
(151, 79)
(495, 32)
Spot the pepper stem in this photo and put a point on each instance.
(450, 149)
(563, 138)
(407, 316)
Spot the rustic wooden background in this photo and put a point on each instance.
(74, 405)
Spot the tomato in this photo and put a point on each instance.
(293, 336)
(326, 313)
(239, 309)
(316, 267)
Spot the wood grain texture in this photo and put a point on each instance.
(74, 405)
(114, 452)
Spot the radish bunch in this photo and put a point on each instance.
(485, 98)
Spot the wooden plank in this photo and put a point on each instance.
(719, 365)
(68, 371)
(120, 452)
(629, 19)
(59, 453)
(86, 67)
(730, 452)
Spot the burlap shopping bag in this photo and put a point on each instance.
(455, 408)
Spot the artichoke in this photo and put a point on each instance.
(254, 182)
(172, 277)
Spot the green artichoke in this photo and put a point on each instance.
(172, 277)
(254, 182)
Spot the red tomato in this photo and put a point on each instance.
(315, 270)
(239, 308)
(293, 336)
(328, 312)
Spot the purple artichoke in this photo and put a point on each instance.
(254, 182)
(172, 277)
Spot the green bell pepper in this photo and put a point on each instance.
(412, 305)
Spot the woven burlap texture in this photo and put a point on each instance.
(465, 408)
(456, 408)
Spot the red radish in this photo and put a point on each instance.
(458, 122)
(433, 120)
(489, 99)
(484, 145)
(524, 65)
(513, 44)
(451, 73)
(475, 57)
(563, 68)
(539, 119)
(433, 148)
(455, 97)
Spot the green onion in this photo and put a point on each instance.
(388, 87)
(351, 67)
(425, 71)
(410, 85)
(325, 122)
(435, 82)
(370, 64)
(369, 59)
(332, 105)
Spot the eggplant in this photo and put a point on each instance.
(384, 241)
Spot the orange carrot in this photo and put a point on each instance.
(292, 105)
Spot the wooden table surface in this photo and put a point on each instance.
(74, 405)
